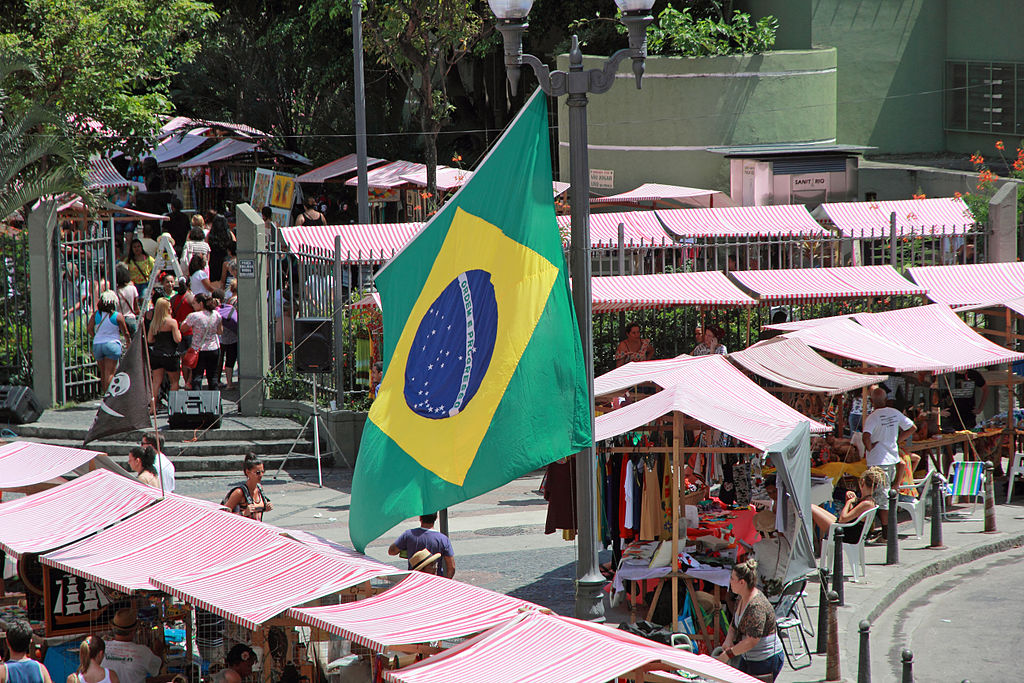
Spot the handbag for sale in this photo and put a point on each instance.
(190, 359)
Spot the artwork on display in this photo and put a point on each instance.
(283, 194)
(262, 183)
(282, 217)
(74, 604)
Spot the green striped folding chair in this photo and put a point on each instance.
(967, 480)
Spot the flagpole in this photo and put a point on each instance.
(152, 403)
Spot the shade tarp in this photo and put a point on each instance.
(741, 221)
(545, 648)
(447, 178)
(558, 187)
(388, 176)
(937, 216)
(658, 194)
(845, 338)
(706, 388)
(826, 283)
(24, 463)
(664, 290)
(258, 587)
(792, 459)
(176, 146)
(360, 243)
(422, 608)
(792, 363)
(335, 169)
(178, 123)
(102, 175)
(225, 149)
(177, 534)
(1016, 305)
(330, 548)
(640, 228)
(968, 284)
(66, 513)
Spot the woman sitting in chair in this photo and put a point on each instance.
(854, 507)
(752, 643)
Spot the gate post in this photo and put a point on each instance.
(253, 335)
(46, 313)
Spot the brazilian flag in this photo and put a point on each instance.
(484, 378)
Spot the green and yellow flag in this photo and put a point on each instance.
(484, 377)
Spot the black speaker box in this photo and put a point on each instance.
(314, 348)
(194, 409)
(19, 405)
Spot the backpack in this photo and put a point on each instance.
(229, 317)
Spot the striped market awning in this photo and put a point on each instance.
(251, 590)
(360, 243)
(707, 388)
(970, 284)
(388, 176)
(938, 216)
(335, 169)
(103, 176)
(801, 284)
(545, 648)
(422, 608)
(640, 228)
(23, 463)
(177, 534)
(447, 178)
(844, 337)
(658, 194)
(66, 513)
(792, 363)
(741, 221)
(666, 290)
(225, 149)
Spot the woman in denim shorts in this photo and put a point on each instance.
(106, 328)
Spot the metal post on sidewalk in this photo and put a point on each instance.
(837, 564)
(832, 668)
(908, 667)
(937, 492)
(892, 538)
(822, 614)
(990, 499)
(864, 659)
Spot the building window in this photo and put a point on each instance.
(982, 97)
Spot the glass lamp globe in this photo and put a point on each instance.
(633, 5)
(513, 9)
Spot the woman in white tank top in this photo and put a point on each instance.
(90, 655)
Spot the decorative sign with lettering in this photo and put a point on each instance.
(809, 181)
(246, 269)
(602, 179)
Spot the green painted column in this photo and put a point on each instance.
(253, 346)
(42, 225)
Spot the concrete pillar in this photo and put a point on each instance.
(1002, 225)
(46, 353)
(253, 335)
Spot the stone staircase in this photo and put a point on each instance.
(192, 451)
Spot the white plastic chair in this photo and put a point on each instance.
(1016, 467)
(854, 551)
(919, 508)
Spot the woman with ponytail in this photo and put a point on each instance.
(90, 670)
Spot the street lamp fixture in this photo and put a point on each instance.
(577, 84)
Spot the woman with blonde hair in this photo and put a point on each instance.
(873, 479)
(90, 654)
(164, 337)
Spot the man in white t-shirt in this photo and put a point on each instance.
(164, 466)
(132, 662)
(884, 428)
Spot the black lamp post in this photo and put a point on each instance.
(577, 84)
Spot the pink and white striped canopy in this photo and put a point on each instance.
(826, 283)
(225, 149)
(848, 339)
(334, 169)
(968, 284)
(447, 178)
(1016, 305)
(741, 221)
(103, 175)
(177, 534)
(939, 333)
(665, 290)
(251, 590)
(545, 648)
(330, 548)
(388, 176)
(23, 463)
(659, 194)
(558, 187)
(792, 363)
(639, 228)
(422, 608)
(360, 243)
(66, 513)
(707, 388)
(939, 216)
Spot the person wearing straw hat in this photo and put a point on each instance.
(412, 541)
(424, 561)
(132, 662)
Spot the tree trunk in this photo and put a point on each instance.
(430, 128)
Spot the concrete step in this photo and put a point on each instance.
(189, 450)
(232, 428)
(219, 464)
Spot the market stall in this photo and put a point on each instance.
(27, 467)
(816, 284)
(661, 196)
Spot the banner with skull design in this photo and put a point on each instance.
(125, 406)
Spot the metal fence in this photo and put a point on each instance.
(15, 310)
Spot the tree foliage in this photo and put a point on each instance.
(104, 64)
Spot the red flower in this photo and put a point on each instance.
(920, 196)
(957, 195)
(977, 159)
(999, 145)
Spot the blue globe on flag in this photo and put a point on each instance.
(452, 347)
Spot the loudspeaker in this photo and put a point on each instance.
(194, 409)
(314, 350)
(19, 405)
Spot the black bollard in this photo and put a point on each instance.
(832, 668)
(908, 667)
(892, 548)
(936, 514)
(822, 614)
(990, 500)
(864, 665)
(837, 564)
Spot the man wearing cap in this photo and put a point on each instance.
(133, 662)
(413, 541)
